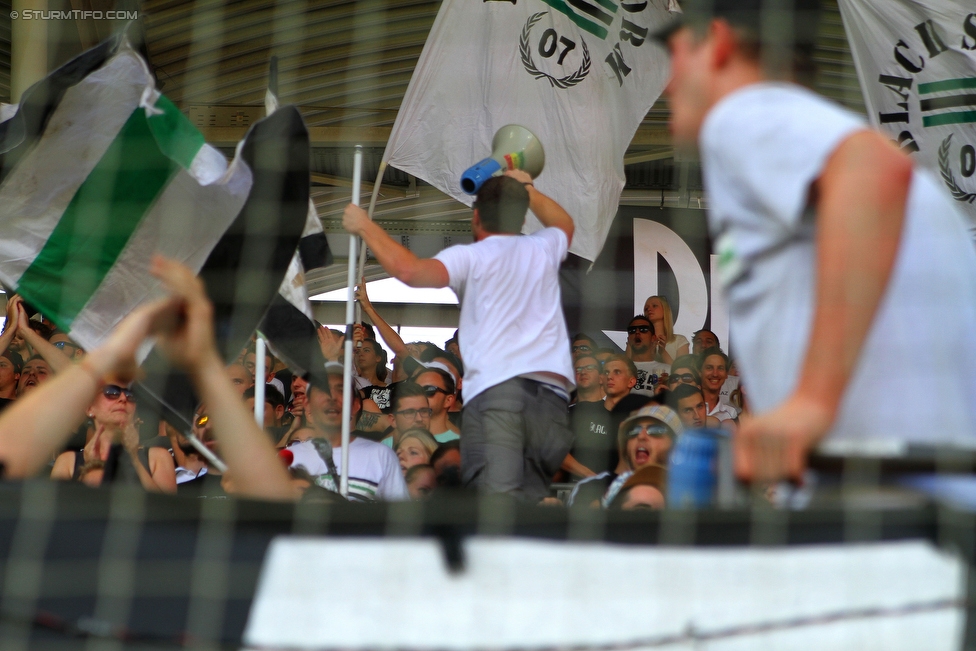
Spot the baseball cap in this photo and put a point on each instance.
(659, 412)
(319, 378)
(412, 365)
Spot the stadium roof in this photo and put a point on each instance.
(347, 64)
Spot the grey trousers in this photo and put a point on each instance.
(514, 437)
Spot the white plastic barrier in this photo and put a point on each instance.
(323, 593)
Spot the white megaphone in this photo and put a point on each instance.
(512, 148)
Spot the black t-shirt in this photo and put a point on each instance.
(630, 403)
(595, 445)
(592, 489)
(5, 402)
(207, 485)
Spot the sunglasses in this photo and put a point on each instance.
(656, 431)
(633, 330)
(202, 420)
(61, 344)
(584, 348)
(113, 391)
(412, 413)
(430, 390)
(687, 378)
(587, 367)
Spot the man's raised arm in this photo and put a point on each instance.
(398, 261)
(550, 213)
(860, 196)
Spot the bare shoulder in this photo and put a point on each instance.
(64, 466)
(867, 150)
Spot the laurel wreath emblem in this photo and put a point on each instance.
(957, 193)
(526, 53)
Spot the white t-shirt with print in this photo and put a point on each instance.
(729, 387)
(511, 309)
(374, 470)
(649, 374)
(762, 147)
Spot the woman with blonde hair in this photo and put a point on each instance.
(415, 448)
(669, 346)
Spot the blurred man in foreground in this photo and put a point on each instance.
(830, 243)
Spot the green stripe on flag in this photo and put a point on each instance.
(958, 117)
(175, 134)
(948, 84)
(102, 215)
(597, 30)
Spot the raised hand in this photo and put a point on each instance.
(519, 175)
(13, 321)
(187, 340)
(362, 296)
(330, 343)
(775, 445)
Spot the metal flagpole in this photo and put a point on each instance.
(362, 248)
(357, 173)
(260, 373)
(205, 452)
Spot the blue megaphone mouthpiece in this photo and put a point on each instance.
(476, 175)
(513, 148)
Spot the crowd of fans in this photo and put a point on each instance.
(628, 409)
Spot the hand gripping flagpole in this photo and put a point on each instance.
(357, 174)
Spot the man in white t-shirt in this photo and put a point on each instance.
(640, 349)
(374, 470)
(839, 258)
(518, 372)
(713, 368)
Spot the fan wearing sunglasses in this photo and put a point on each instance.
(63, 342)
(182, 323)
(111, 420)
(439, 387)
(644, 439)
(684, 370)
(643, 351)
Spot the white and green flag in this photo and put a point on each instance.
(916, 60)
(100, 173)
(580, 74)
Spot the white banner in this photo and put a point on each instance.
(580, 74)
(916, 60)
(510, 593)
